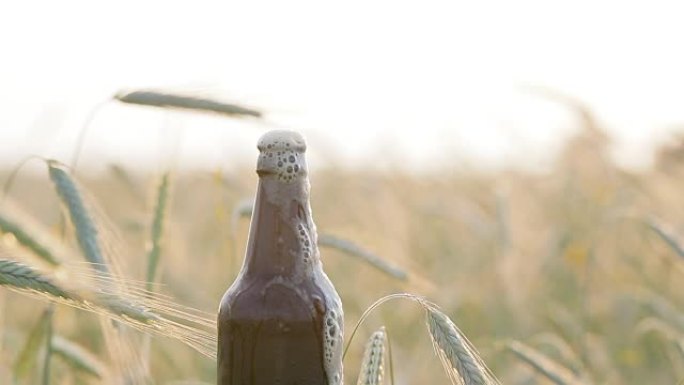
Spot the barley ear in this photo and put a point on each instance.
(373, 363)
(459, 358)
(16, 275)
(86, 230)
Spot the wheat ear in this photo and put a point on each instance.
(350, 248)
(373, 363)
(667, 235)
(457, 355)
(169, 100)
(12, 226)
(134, 310)
(557, 373)
(86, 230)
(19, 276)
(157, 229)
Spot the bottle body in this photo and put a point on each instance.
(281, 320)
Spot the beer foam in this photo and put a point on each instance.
(279, 140)
(282, 154)
(332, 345)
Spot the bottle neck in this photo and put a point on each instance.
(282, 235)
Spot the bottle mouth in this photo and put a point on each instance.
(281, 153)
(282, 140)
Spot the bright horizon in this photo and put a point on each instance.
(381, 81)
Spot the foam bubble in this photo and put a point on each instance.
(332, 346)
(282, 154)
(282, 140)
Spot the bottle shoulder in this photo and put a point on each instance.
(264, 297)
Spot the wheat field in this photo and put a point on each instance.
(572, 276)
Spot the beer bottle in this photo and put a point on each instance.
(281, 321)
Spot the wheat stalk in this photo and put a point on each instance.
(373, 362)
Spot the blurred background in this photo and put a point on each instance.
(520, 161)
(419, 82)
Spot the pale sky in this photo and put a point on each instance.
(409, 83)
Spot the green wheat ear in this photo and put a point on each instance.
(165, 99)
(86, 231)
(19, 276)
(157, 229)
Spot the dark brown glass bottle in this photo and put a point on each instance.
(281, 321)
